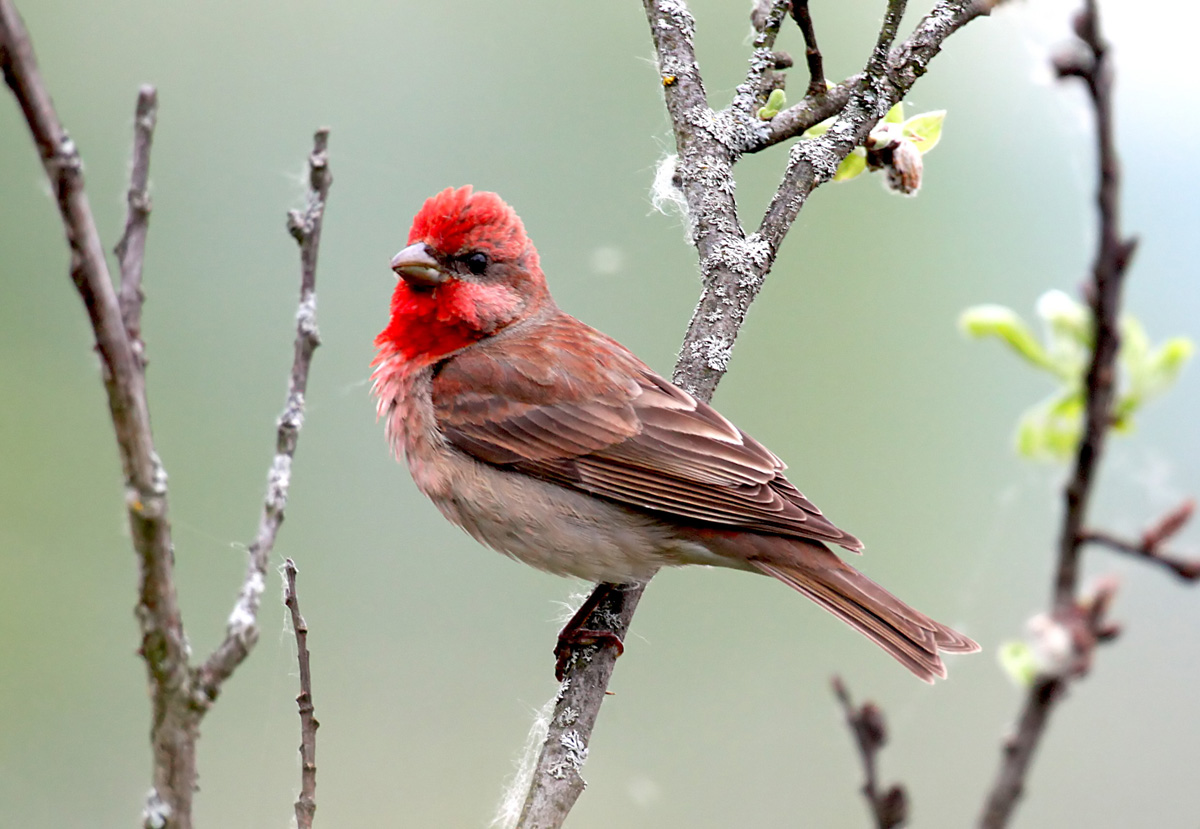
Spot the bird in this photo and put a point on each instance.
(552, 443)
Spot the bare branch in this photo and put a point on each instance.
(1149, 546)
(306, 803)
(556, 782)
(131, 249)
(889, 808)
(1104, 294)
(163, 645)
(179, 695)
(812, 52)
(242, 629)
(1083, 620)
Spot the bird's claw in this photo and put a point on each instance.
(581, 637)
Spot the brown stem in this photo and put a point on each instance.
(1019, 750)
(1104, 293)
(1187, 569)
(242, 628)
(179, 696)
(889, 808)
(812, 52)
(163, 647)
(306, 803)
(131, 249)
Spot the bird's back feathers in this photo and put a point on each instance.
(558, 400)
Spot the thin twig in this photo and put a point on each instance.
(1104, 294)
(1091, 64)
(733, 266)
(1185, 568)
(812, 52)
(906, 64)
(889, 808)
(306, 803)
(242, 628)
(131, 248)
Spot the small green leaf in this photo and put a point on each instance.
(1135, 344)
(852, 165)
(776, 101)
(1065, 315)
(1068, 332)
(1051, 429)
(1165, 363)
(925, 130)
(818, 129)
(1000, 321)
(895, 115)
(1018, 663)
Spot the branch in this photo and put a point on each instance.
(1104, 294)
(556, 781)
(306, 804)
(1149, 546)
(163, 645)
(1080, 623)
(242, 628)
(907, 63)
(179, 695)
(733, 267)
(131, 249)
(812, 52)
(890, 808)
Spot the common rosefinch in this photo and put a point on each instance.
(552, 443)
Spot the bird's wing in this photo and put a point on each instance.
(566, 404)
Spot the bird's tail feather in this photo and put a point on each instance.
(910, 636)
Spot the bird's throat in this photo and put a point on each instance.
(425, 326)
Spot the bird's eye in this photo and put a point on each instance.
(476, 262)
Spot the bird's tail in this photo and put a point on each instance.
(910, 636)
(811, 568)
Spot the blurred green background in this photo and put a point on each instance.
(430, 653)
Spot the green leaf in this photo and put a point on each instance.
(1018, 663)
(925, 130)
(895, 115)
(1066, 316)
(818, 129)
(1051, 430)
(1147, 372)
(1068, 332)
(1000, 321)
(852, 165)
(776, 101)
(1164, 364)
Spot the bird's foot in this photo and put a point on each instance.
(569, 640)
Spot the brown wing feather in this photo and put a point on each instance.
(567, 404)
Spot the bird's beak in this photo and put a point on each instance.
(416, 267)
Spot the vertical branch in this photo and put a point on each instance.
(812, 52)
(242, 628)
(557, 781)
(306, 803)
(131, 249)
(179, 694)
(163, 646)
(1089, 61)
(1104, 294)
(888, 808)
